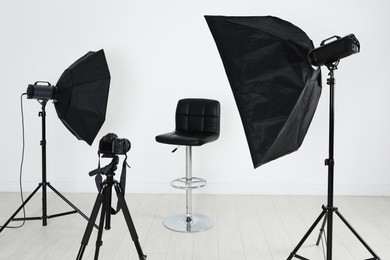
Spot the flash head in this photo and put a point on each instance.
(335, 50)
(41, 90)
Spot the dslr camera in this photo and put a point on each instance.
(110, 145)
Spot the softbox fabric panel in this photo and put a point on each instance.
(274, 85)
(82, 94)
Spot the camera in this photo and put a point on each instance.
(110, 145)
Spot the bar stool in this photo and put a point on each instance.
(197, 123)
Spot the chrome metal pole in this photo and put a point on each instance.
(188, 183)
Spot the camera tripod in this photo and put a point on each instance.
(327, 211)
(103, 200)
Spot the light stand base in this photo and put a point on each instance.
(326, 211)
(179, 223)
(44, 217)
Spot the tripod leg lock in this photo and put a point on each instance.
(331, 81)
(329, 162)
(99, 243)
(329, 208)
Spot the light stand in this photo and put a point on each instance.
(44, 184)
(327, 211)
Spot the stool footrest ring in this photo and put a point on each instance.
(188, 184)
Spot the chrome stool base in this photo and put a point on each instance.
(179, 223)
(188, 222)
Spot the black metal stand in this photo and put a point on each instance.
(44, 185)
(327, 211)
(104, 199)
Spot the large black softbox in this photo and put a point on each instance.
(81, 95)
(275, 87)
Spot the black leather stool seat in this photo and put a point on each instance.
(184, 138)
(197, 123)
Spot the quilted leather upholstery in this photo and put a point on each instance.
(197, 123)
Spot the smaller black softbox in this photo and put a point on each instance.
(82, 94)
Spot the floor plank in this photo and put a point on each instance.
(245, 227)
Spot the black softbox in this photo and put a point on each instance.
(275, 87)
(81, 95)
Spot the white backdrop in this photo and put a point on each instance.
(161, 51)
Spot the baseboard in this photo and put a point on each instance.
(215, 188)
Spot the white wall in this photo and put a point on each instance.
(161, 51)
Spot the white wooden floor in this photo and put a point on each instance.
(246, 227)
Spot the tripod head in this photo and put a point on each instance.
(108, 170)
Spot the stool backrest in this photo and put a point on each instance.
(198, 115)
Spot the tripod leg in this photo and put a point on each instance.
(293, 253)
(357, 235)
(129, 221)
(91, 222)
(99, 241)
(108, 199)
(17, 211)
(322, 230)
